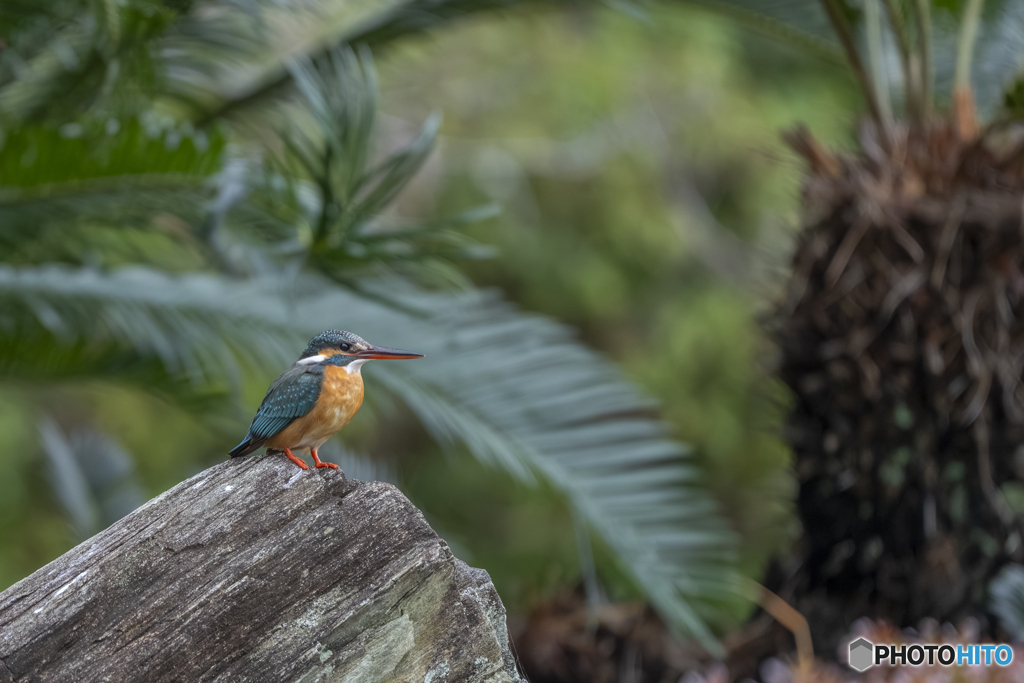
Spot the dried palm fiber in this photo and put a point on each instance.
(902, 339)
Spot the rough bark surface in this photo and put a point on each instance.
(901, 341)
(254, 570)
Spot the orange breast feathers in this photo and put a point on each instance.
(340, 398)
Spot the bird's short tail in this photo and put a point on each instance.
(247, 446)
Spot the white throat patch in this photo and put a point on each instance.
(354, 366)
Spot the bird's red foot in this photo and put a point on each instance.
(297, 461)
(320, 463)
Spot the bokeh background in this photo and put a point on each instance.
(584, 213)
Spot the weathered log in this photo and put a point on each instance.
(254, 570)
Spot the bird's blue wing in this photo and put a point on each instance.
(291, 396)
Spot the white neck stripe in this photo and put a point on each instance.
(354, 366)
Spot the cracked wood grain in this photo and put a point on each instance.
(255, 571)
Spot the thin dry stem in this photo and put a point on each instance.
(924, 45)
(964, 115)
(910, 77)
(845, 34)
(792, 620)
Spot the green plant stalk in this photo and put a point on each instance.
(965, 45)
(842, 29)
(873, 24)
(326, 202)
(924, 45)
(910, 77)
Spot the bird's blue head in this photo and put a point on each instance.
(332, 342)
(340, 347)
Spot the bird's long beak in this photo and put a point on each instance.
(384, 353)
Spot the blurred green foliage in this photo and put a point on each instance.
(595, 132)
(645, 199)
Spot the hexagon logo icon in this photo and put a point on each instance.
(861, 654)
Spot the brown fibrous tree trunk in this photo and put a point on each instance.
(902, 340)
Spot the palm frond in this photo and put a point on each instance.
(68, 482)
(91, 58)
(523, 396)
(350, 190)
(801, 24)
(92, 476)
(251, 89)
(55, 181)
(997, 70)
(513, 388)
(37, 155)
(339, 93)
(199, 326)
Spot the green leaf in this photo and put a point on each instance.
(34, 155)
(340, 95)
(387, 180)
(997, 73)
(92, 476)
(199, 326)
(55, 184)
(339, 91)
(78, 59)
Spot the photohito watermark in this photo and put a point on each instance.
(865, 654)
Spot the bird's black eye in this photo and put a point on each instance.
(346, 347)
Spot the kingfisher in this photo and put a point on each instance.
(313, 399)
